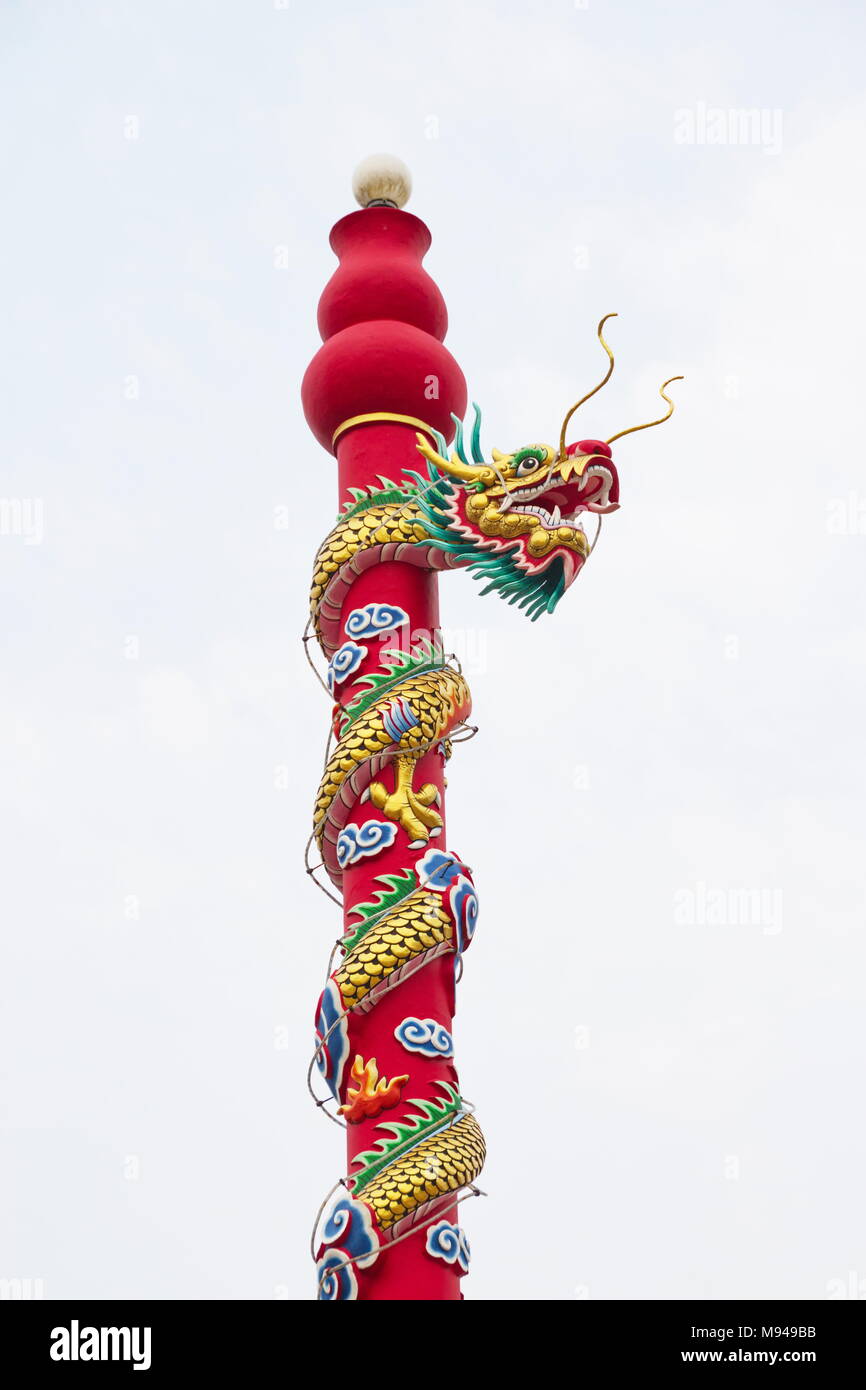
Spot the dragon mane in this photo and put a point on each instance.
(491, 562)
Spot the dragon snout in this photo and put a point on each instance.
(597, 452)
(589, 446)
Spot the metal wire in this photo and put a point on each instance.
(321, 1103)
(341, 1182)
(465, 731)
(389, 1245)
(399, 506)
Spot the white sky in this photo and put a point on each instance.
(705, 675)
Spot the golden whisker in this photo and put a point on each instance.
(605, 379)
(660, 421)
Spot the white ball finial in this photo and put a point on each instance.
(382, 178)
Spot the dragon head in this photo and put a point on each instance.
(527, 506)
(516, 520)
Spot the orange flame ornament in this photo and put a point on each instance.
(372, 1093)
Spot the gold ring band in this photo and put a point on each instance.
(377, 417)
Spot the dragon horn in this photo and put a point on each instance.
(477, 456)
(453, 467)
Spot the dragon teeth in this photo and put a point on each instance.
(551, 520)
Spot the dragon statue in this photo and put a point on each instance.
(515, 523)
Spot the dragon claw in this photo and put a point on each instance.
(411, 809)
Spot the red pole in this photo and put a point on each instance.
(383, 319)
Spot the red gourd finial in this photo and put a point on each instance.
(382, 319)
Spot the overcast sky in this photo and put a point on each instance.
(661, 1019)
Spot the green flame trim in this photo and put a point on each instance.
(397, 887)
(367, 497)
(397, 666)
(435, 1115)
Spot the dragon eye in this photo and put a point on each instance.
(526, 462)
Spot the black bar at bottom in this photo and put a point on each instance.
(66, 1337)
